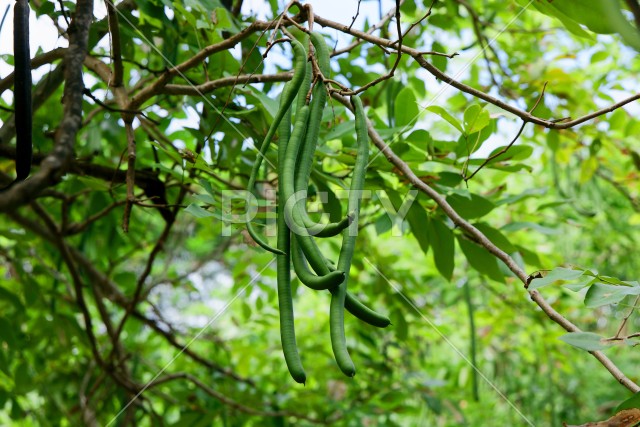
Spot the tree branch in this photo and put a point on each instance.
(418, 57)
(210, 86)
(403, 170)
(54, 166)
(36, 62)
(116, 55)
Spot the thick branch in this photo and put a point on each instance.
(36, 62)
(116, 55)
(154, 88)
(54, 166)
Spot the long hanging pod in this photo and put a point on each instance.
(295, 244)
(310, 280)
(336, 319)
(327, 278)
(364, 313)
(283, 264)
(307, 151)
(291, 207)
(287, 98)
(22, 90)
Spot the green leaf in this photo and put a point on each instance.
(445, 115)
(631, 403)
(516, 226)
(197, 211)
(475, 207)
(125, 279)
(599, 56)
(530, 192)
(340, 130)
(584, 340)
(568, 23)
(600, 16)
(600, 294)
(406, 107)
(4, 363)
(269, 104)
(221, 19)
(443, 247)
(22, 378)
(476, 118)
(7, 332)
(383, 224)
(417, 218)
(480, 259)
(555, 275)
(580, 284)
(515, 152)
(496, 237)
(440, 62)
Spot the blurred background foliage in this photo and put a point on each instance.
(555, 198)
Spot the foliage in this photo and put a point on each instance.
(140, 298)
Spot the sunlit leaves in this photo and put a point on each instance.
(442, 242)
(480, 259)
(470, 206)
(406, 107)
(446, 115)
(476, 118)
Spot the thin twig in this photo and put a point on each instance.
(484, 43)
(419, 21)
(36, 62)
(626, 318)
(525, 115)
(383, 21)
(392, 71)
(79, 227)
(353, 19)
(627, 337)
(635, 203)
(76, 279)
(88, 93)
(498, 154)
(505, 149)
